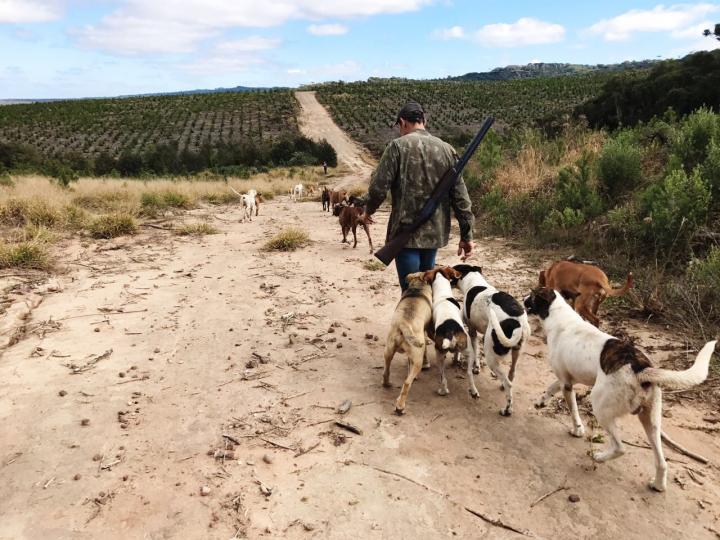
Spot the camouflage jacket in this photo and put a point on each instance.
(410, 168)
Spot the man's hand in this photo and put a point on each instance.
(365, 218)
(465, 249)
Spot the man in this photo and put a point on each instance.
(325, 167)
(411, 166)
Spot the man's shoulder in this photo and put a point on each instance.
(428, 139)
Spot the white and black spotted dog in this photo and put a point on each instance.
(500, 319)
(623, 379)
(449, 333)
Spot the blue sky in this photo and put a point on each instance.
(77, 48)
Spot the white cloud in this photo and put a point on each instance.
(676, 19)
(181, 25)
(525, 31)
(28, 11)
(454, 32)
(234, 56)
(327, 29)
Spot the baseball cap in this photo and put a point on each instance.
(411, 111)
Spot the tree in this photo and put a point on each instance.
(716, 33)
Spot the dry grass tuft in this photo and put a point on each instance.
(112, 225)
(196, 229)
(373, 265)
(288, 239)
(25, 255)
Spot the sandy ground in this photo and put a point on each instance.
(182, 388)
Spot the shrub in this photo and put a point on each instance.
(75, 218)
(693, 140)
(711, 171)
(6, 180)
(175, 199)
(619, 167)
(150, 203)
(567, 219)
(496, 209)
(19, 212)
(373, 265)
(677, 208)
(575, 189)
(109, 200)
(196, 229)
(24, 255)
(289, 239)
(112, 225)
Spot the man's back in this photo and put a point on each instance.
(411, 167)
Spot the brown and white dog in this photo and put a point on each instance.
(412, 318)
(623, 379)
(350, 216)
(585, 286)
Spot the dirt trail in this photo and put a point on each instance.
(316, 123)
(214, 337)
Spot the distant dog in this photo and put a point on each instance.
(325, 196)
(624, 380)
(248, 202)
(338, 196)
(413, 315)
(258, 200)
(350, 217)
(296, 192)
(449, 333)
(500, 319)
(585, 286)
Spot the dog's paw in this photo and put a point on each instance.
(386, 384)
(540, 404)
(476, 370)
(426, 366)
(654, 486)
(474, 393)
(443, 391)
(578, 432)
(399, 412)
(507, 411)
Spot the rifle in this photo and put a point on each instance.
(391, 249)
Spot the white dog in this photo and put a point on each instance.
(249, 206)
(449, 333)
(500, 319)
(297, 192)
(623, 378)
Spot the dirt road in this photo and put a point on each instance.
(316, 123)
(115, 402)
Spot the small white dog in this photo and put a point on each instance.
(249, 201)
(500, 319)
(297, 192)
(624, 380)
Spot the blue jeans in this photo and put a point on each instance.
(411, 260)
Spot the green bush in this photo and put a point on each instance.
(575, 189)
(6, 180)
(711, 171)
(694, 138)
(567, 219)
(496, 208)
(676, 208)
(24, 255)
(175, 199)
(619, 167)
(112, 225)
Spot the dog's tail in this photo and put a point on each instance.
(625, 288)
(681, 380)
(409, 336)
(514, 339)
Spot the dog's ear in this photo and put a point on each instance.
(539, 301)
(465, 269)
(429, 276)
(450, 273)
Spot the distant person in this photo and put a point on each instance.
(325, 167)
(411, 166)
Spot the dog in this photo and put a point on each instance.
(623, 379)
(249, 204)
(325, 197)
(584, 285)
(338, 196)
(296, 192)
(411, 320)
(258, 200)
(502, 322)
(350, 216)
(448, 333)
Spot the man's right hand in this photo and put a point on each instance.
(465, 249)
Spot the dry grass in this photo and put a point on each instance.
(288, 239)
(536, 164)
(373, 265)
(112, 225)
(26, 255)
(196, 229)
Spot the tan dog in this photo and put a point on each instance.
(413, 315)
(585, 286)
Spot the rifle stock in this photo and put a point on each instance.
(390, 250)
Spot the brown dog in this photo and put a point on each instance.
(412, 318)
(350, 217)
(585, 286)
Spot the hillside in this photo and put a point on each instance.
(549, 69)
(455, 109)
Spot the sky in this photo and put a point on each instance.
(81, 48)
